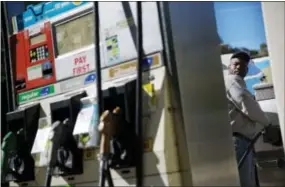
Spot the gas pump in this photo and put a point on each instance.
(122, 84)
(36, 45)
(17, 161)
(164, 125)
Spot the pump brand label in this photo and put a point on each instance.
(90, 78)
(77, 82)
(130, 67)
(43, 11)
(36, 93)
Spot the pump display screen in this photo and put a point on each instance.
(37, 39)
(74, 34)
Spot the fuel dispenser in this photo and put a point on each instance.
(126, 144)
(126, 140)
(123, 141)
(69, 158)
(33, 58)
(17, 161)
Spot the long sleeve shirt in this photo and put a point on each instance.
(246, 115)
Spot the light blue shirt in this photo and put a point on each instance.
(246, 115)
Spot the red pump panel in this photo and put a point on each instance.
(18, 57)
(33, 58)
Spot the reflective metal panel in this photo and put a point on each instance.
(201, 84)
(273, 14)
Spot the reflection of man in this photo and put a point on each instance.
(246, 116)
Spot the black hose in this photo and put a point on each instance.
(100, 102)
(250, 146)
(48, 177)
(7, 61)
(139, 44)
(97, 58)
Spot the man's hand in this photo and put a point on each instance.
(107, 128)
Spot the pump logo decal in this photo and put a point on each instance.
(45, 91)
(36, 93)
(90, 78)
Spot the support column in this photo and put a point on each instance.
(274, 19)
(202, 91)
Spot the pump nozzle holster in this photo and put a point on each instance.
(16, 161)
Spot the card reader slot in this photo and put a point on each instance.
(47, 73)
(20, 84)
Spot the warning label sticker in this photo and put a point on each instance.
(35, 72)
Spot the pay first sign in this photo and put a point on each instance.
(74, 64)
(80, 65)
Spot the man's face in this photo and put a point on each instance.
(238, 67)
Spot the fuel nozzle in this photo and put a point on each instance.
(55, 140)
(17, 162)
(9, 146)
(107, 128)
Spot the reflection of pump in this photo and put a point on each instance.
(123, 142)
(17, 161)
(69, 159)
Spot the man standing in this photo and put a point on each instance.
(246, 116)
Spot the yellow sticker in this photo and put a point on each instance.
(148, 145)
(149, 89)
(76, 3)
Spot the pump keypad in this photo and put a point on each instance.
(39, 53)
